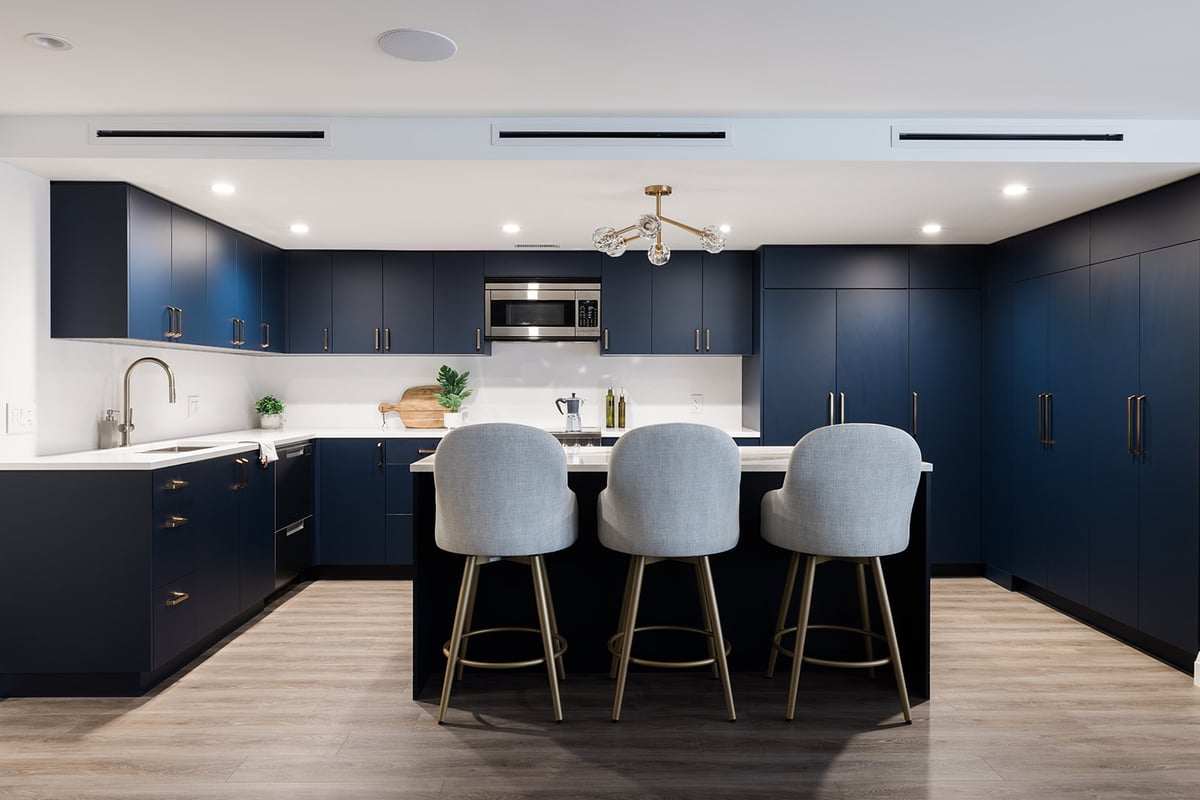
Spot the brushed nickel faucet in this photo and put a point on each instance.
(127, 426)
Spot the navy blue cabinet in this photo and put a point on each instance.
(999, 439)
(214, 520)
(677, 300)
(701, 304)
(149, 231)
(560, 266)
(224, 311)
(835, 267)
(189, 258)
(309, 306)
(250, 293)
(399, 454)
(945, 344)
(458, 307)
(408, 302)
(357, 326)
(351, 503)
(272, 332)
(728, 307)
(625, 308)
(872, 356)
(254, 500)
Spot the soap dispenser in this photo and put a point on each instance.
(109, 435)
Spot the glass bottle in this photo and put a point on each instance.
(609, 402)
(621, 410)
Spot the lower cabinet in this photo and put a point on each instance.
(144, 566)
(365, 505)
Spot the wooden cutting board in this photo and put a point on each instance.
(417, 407)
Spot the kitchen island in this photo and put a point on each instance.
(587, 582)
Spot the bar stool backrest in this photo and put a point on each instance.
(848, 492)
(501, 490)
(672, 492)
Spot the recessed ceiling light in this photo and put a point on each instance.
(931, 228)
(298, 227)
(48, 41)
(223, 188)
(1015, 189)
(412, 44)
(510, 227)
(724, 228)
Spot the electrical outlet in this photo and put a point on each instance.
(697, 404)
(193, 406)
(18, 419)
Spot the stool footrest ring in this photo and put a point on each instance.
(560, 647)
(878, 662)
(615, 648)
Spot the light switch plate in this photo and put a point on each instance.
(193, 407)
(18, 419)
(697, 404)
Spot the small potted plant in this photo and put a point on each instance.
(270, 411)
(454, 391)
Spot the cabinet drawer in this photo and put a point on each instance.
(174, 547)
(406, 451)
(293, 551)
(399, 543)
(174, 619)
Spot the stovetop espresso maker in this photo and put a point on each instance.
(573, 422)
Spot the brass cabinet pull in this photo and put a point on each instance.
(697, 340)
(177, 597)
(1050, 418)
(831, 408)
(266, 345)
(243, 473)
(1141, 425)
(1129, 424)
(426, 452)
(174, 322)
(914, 415)
(326, 339)
(842, 402)
(387, 340)
(379, 454)
(295, 528)
(1040, 421)
(241, 332)
(234, 339)
(707, 340)
(377, 340)
(175, 521)
(179, 328)
(606, 340)
(175, 483)
(478, 340)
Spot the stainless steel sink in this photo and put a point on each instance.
(184, 448)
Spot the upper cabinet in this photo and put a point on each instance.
(408, 302)
(309, 304)
(458, 305)
(125, 264)
(625, 305)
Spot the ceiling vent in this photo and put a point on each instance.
(306, 136)
(1005, 136)
(537, 246)
(689, 135)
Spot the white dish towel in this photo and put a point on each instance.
(266, 453)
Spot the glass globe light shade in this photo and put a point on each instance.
(600, 237)
(659, 254)
(648, 226)
(616, 247)
(713, 241)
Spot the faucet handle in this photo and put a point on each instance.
(127, 425)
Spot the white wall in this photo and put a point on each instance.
(70, 384)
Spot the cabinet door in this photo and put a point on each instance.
(458, 304)
(999, 437)
(625, 305)
(309, 310)
(408, 302)
(1170, 354)
(728, 311)
(249, 270)
(271, 333)
(256, 533)
(799, 364)
(357, 303)
(189, 241)
(351, 529)
(872, 356)
(149, 266)
(1030, 492)
(677, 297)
(1112, 503)
(222, 279)
(216, 534)
(1063, 525)
(945, 340)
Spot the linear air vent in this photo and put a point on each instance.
(306, 136)
(1022, 136)
(692, 135)
(537, 246)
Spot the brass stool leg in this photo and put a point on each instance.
(789, 585)
(708, 596)
(538, 566)
(810, 573)
(707, 614)
(861, 570)
(885, 610)
(562, 670)
(616, 659)
(456, 637)
(472, 592)
(637, 569)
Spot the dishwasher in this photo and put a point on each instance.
(293, 512)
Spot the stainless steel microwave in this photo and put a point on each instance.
(525, 310)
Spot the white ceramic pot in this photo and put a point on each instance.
(270, 420)
(451, 419)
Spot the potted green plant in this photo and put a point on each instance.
(454, 391)
(270, 411)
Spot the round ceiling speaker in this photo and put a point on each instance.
(412, 44)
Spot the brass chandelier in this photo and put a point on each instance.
(649, 226)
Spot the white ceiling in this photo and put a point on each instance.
(810, 90)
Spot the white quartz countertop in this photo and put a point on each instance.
(138, 456)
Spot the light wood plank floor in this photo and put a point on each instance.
(312, 701)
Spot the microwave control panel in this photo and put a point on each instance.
(589, 314)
